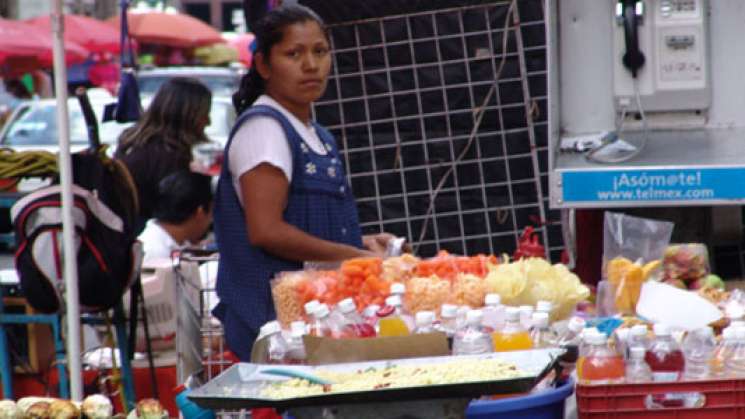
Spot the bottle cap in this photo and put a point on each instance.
(398, 288)
(448, 311)
(270, 328)
(346, 306)
(639, 330)
(474, 317)
(576, 324)
(424, 318)
(492, 299)
(543, 305)
(322, 311)
(512, 313)
(311, 306)
(540, 319)
(393, 301)
(638, 352)
(661, 330)
(370, 310)
(297, 329)
(526, 310)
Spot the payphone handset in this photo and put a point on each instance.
(661, 52)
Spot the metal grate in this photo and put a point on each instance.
(401, 103)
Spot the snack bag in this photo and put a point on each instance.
(633, 248)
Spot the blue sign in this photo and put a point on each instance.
(713, 184)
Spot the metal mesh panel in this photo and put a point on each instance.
(401, 102)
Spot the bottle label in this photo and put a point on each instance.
(665, 376)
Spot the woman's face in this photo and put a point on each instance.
(299, 65)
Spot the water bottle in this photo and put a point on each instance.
(471, 339)
(398, 288)
(664, 356)
(370, 315)
(526, 316)
(637, 370)
(460, 317)
(448, 314)
(638, 336)
(310, 307)
(276, 351)
(295, 346)
(321, 325)
(541, 334)
(189, 409)
(723, 352)
(735, 364)
(545, 307)
(493, 312)
(698, 348)
(569, 341)
(424, 322)
(351, 324)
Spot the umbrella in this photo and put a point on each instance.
(242, 43)
(94, 35)
(24, 47)
(171, 29)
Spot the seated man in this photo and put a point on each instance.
(182, 215)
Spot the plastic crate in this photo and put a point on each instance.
(710, 399)
(548, 404)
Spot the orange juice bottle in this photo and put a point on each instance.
(513, 336)
(391, 321)
(601, 365)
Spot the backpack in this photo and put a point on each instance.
(108, 254)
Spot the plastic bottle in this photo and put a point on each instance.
(276, 350)
(471, 339)
(584, 346)
(493, 312)
(370, 315)
(398, 288)
(321, 325)
(513, 336)
(722, 353)
(391, 321)
(460, 317)
(350, 323)
(601, 365)
(664, 356)
(698, 348)
(637, 370)
(638, 336)
(569, 341)
(424, 322)
(448, 313)
(735, 364)
(526, 316)
(541, 334)
(310, 308)
(295, 346)
(544, 306)
(189, 409)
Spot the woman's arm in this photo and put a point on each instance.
(264, 190)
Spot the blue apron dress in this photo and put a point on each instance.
(319, 202)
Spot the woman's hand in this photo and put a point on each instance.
(377, 243)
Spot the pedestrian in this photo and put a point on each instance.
(283, 197)
(161, 142)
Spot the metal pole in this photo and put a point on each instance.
(66, 180)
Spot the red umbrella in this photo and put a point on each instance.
(242, 43)
(172, 29)
(94, 35)
(24, 47)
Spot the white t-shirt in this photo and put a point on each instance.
(156, 243)
(261, 139)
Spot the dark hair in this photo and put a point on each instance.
(269, 30)
(180, 194)
(174, 117)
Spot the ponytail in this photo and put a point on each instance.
(252, 86)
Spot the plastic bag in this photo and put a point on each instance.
(633, 248)
(685, 262)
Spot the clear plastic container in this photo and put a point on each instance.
(698, 348)
(735, 363)
(544, 306)
(569, 340)
(448, 314)
(493, 312)
(637, 370)
(460, 317)
(621, 341)
(391, 321)
(664, 356)
(425, 322)
(321, 326)
(541, 334)
(471, 339)
(276, 351)
(526, 316)
(513, 336)
(601, 365)
(722, 353)
(310, 308)
(638, 336)
(370, 315)
(295, 347)
(584, 346)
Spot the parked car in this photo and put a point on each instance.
(223, 82)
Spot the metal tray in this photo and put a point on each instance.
(240, 386)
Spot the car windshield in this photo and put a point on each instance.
(36, 124)
(219, 85)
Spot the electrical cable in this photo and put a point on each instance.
(592, 155)
(478, 117)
